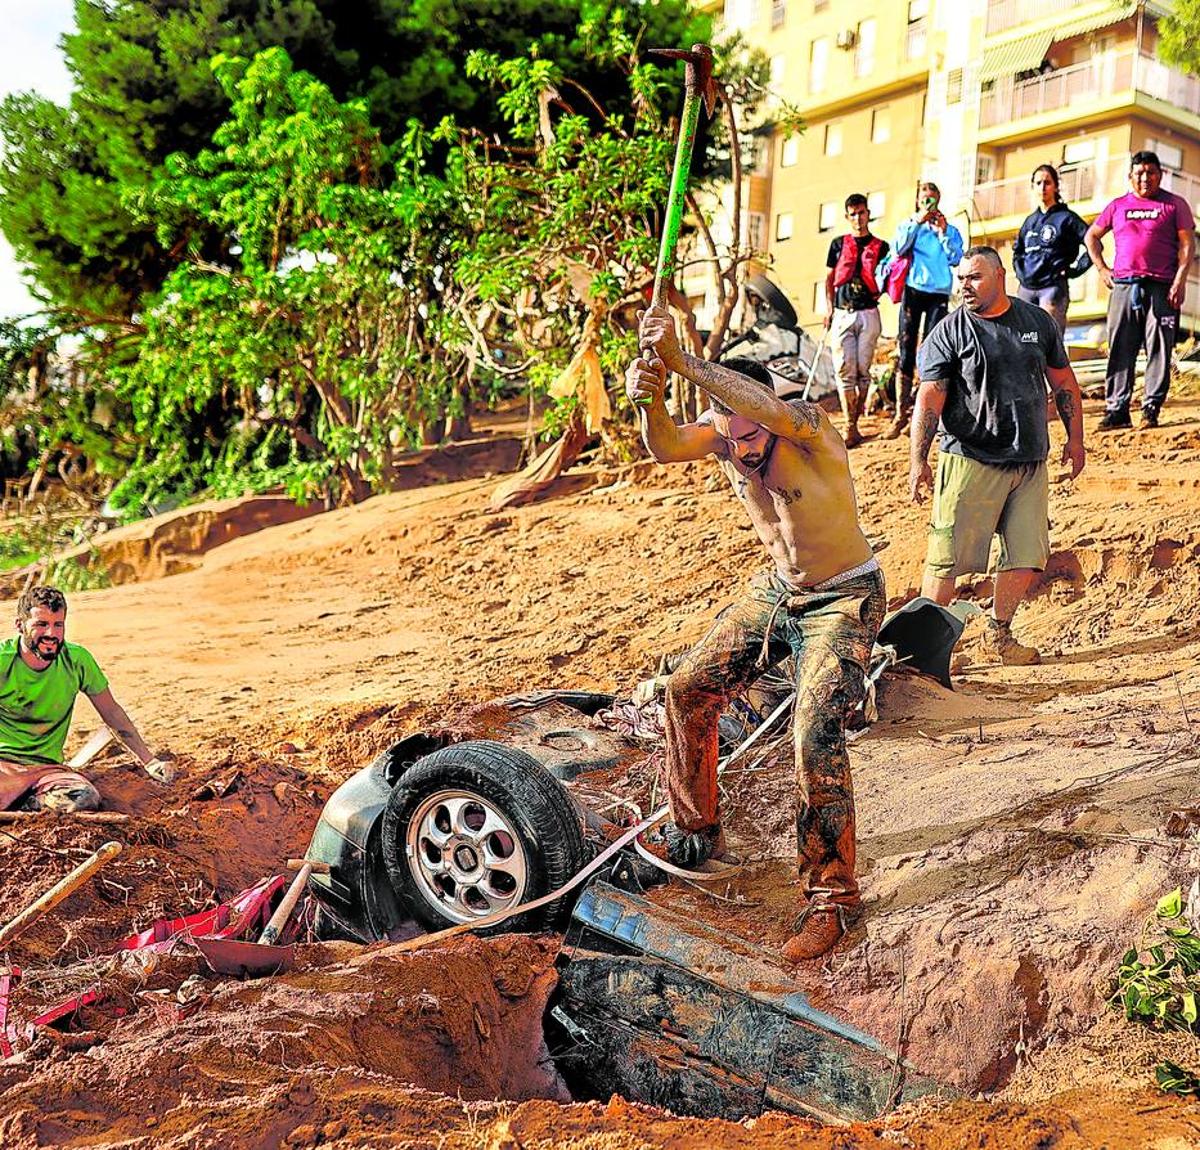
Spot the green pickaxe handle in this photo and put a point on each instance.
(664, 273)
(699, 89)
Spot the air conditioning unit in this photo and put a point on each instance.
(846, 39)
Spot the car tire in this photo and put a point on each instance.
(476, 827)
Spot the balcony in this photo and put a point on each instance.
(1104, 76)
(1014, 197)
(1093, 183)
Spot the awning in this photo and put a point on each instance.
(1015, 56)
(1110, 14)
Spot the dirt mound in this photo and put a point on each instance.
(322, 1054)
(170, 543)
(1010, 831)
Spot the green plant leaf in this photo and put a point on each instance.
(1170, 905)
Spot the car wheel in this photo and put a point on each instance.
(476, 828)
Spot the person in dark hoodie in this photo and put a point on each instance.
(1049, 249)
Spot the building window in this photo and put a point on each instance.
(917, 10)
(954, 86)
(881, 125)
(876, 204)
(818, 63)
(778, 67)
(758, 155)
(740, 13)
(820, 303)
(833, 139)
(789, 152)
(783, 226)
(778, 13)
(756, 229)
(1169, 155)
(864, 49)
(1079, 151)
(829, 215)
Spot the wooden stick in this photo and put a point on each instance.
(95, 744)
(283, 912)
(83, 816)
(59, 891)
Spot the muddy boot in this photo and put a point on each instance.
(999, 644)
(818, 930)
(851, 407)
(690, 849)
(904, 406)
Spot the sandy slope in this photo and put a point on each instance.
(1011, 831)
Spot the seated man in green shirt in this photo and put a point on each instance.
(40, 676)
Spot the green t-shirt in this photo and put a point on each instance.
(36, 706)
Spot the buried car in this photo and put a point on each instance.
(448, 827)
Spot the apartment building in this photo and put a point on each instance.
(970, 93)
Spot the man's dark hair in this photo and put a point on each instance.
(1144, 158)
(49, 597)
(856, 200)
(748, 367)
(990, 254)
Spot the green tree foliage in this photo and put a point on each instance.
(1179, 36)
(321, 333)
(144, 91)
(330, 294)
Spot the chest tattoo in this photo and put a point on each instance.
(789, 495)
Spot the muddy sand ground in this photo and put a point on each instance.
(1012, 831)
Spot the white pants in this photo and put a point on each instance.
(854, 335)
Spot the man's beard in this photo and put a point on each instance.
(39, 648)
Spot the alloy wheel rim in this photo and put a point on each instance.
(466, 856)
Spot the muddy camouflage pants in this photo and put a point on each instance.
(830, 634)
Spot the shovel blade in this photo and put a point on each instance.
(245, 959)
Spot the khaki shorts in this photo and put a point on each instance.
(973, 501)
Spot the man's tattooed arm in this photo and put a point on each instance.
(1067, 410)
(751, 400)
(931, 398)
(1070, 410)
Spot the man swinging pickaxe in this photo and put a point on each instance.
(821, 600)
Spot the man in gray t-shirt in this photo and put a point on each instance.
(984, 371)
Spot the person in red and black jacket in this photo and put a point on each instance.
(852, 290)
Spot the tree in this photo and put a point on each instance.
(1179, 36)
(143, 91)
(322, 330)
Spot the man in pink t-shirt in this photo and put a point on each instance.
(1154, 238)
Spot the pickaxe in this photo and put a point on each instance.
(699, 86)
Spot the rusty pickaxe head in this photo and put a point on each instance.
(699, 77)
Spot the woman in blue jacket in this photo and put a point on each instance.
(934, 245)
(1049, 249)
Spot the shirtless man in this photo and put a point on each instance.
(821, 599)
